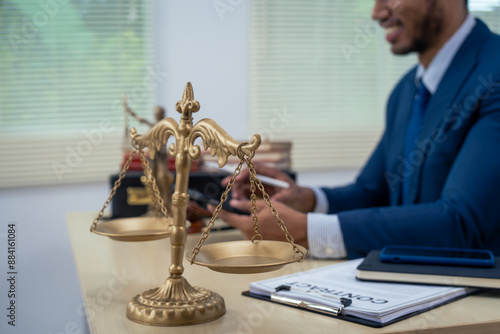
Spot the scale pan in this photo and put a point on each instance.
(246, 257)
(135, 228)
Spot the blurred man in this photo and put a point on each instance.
(433, 178)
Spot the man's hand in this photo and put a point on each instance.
(295, 221)
(299, 198)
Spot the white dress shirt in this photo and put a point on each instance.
(324, 234)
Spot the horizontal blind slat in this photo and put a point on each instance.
(62, 86)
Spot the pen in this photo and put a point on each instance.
(264, 179)
(272, 182)
(309, 305)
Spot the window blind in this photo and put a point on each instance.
(320, 75)
(64, 67)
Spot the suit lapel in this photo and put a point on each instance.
(404, 109)
(442, 100)
(445, 95)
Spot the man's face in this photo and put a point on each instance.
(410, 25)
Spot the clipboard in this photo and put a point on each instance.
(337, 314)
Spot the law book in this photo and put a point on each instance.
(372, 269)
(334, 291)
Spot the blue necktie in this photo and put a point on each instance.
(412, 134)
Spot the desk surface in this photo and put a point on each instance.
(112, 272)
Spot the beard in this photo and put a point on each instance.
(426, 30)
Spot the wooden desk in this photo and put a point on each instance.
(112, 272)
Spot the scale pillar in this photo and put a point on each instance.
(176, 302)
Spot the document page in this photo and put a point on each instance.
(379, 302)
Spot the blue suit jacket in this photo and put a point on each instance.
(454, 174)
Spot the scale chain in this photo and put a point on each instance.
(112, 193)
(254, 182)
(255, 218)
(267, 199)
(223, 199)
(149, 187)
(158, 201)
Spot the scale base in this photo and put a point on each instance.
(175, 303)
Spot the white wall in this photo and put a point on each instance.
(199, 43)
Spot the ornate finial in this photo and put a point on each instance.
(188, 104)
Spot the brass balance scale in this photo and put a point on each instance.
(176, 302)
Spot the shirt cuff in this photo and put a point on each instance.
(321, 200)
(325, 237)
